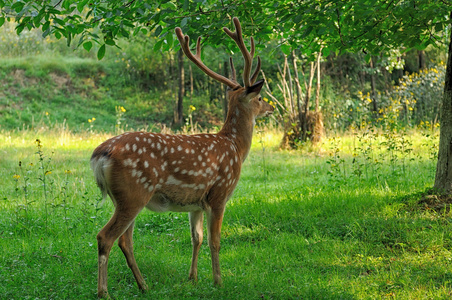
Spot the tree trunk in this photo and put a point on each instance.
(191, 82)
(373, 83)
(178, 113)
(421, 55)
(317, 91)
(443, 178)
(298, 90)
(306, 102)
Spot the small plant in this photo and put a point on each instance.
(91, 124)
(189, 120)
(120, 111)
(44, 164)
(336, 161)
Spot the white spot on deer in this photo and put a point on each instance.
(127, 162)
(127, 147)
(226, 169)
(146, 164)
(151, 188)
(179, 148)
(159, 146)
(146, 185)
(229, 176)
(184, 172)
(191, 172)
(137, 138)
(199, 157)
(209, 171)
(187, 150)
(192, 151)
(172, 150)
(176, 169)
(161, 180)
(187, 185)
(144, 149)
(231, 162)
(203, 164)
(145, 140)
(140, 151)
(155, 172)
(135, 163)
(143, 179)
(172, 180)
(234, 130)
(134, 172)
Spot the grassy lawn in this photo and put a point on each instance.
(342, 222)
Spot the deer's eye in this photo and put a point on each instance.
(260, 98)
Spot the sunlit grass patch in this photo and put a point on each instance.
(306, 231)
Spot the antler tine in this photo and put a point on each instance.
(247, 55)
(184, 41)
(233, 74)
(256, 71)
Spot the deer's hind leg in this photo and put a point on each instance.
(119, 223)
(125, 242)
(196, 228)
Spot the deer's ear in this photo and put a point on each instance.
(255, 89)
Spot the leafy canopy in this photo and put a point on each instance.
(372, 26)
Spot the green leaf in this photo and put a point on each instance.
(2, 21)
(184, 21)
(101, 52)
(110, 42)
(81, 5)
(88, 45)
(158, 45)
(69, 38)
(158, 30)
(20, 28)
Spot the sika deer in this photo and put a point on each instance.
(186, 173)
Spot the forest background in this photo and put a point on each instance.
(350, 216)
(45, 81)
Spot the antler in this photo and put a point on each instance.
(247, 55)
(185, 42)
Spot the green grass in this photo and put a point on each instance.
(296, 227)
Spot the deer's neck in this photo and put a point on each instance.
(239, 127)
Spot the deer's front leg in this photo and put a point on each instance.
(196, 228)
(214, 221)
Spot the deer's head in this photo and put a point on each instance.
(244, 97)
